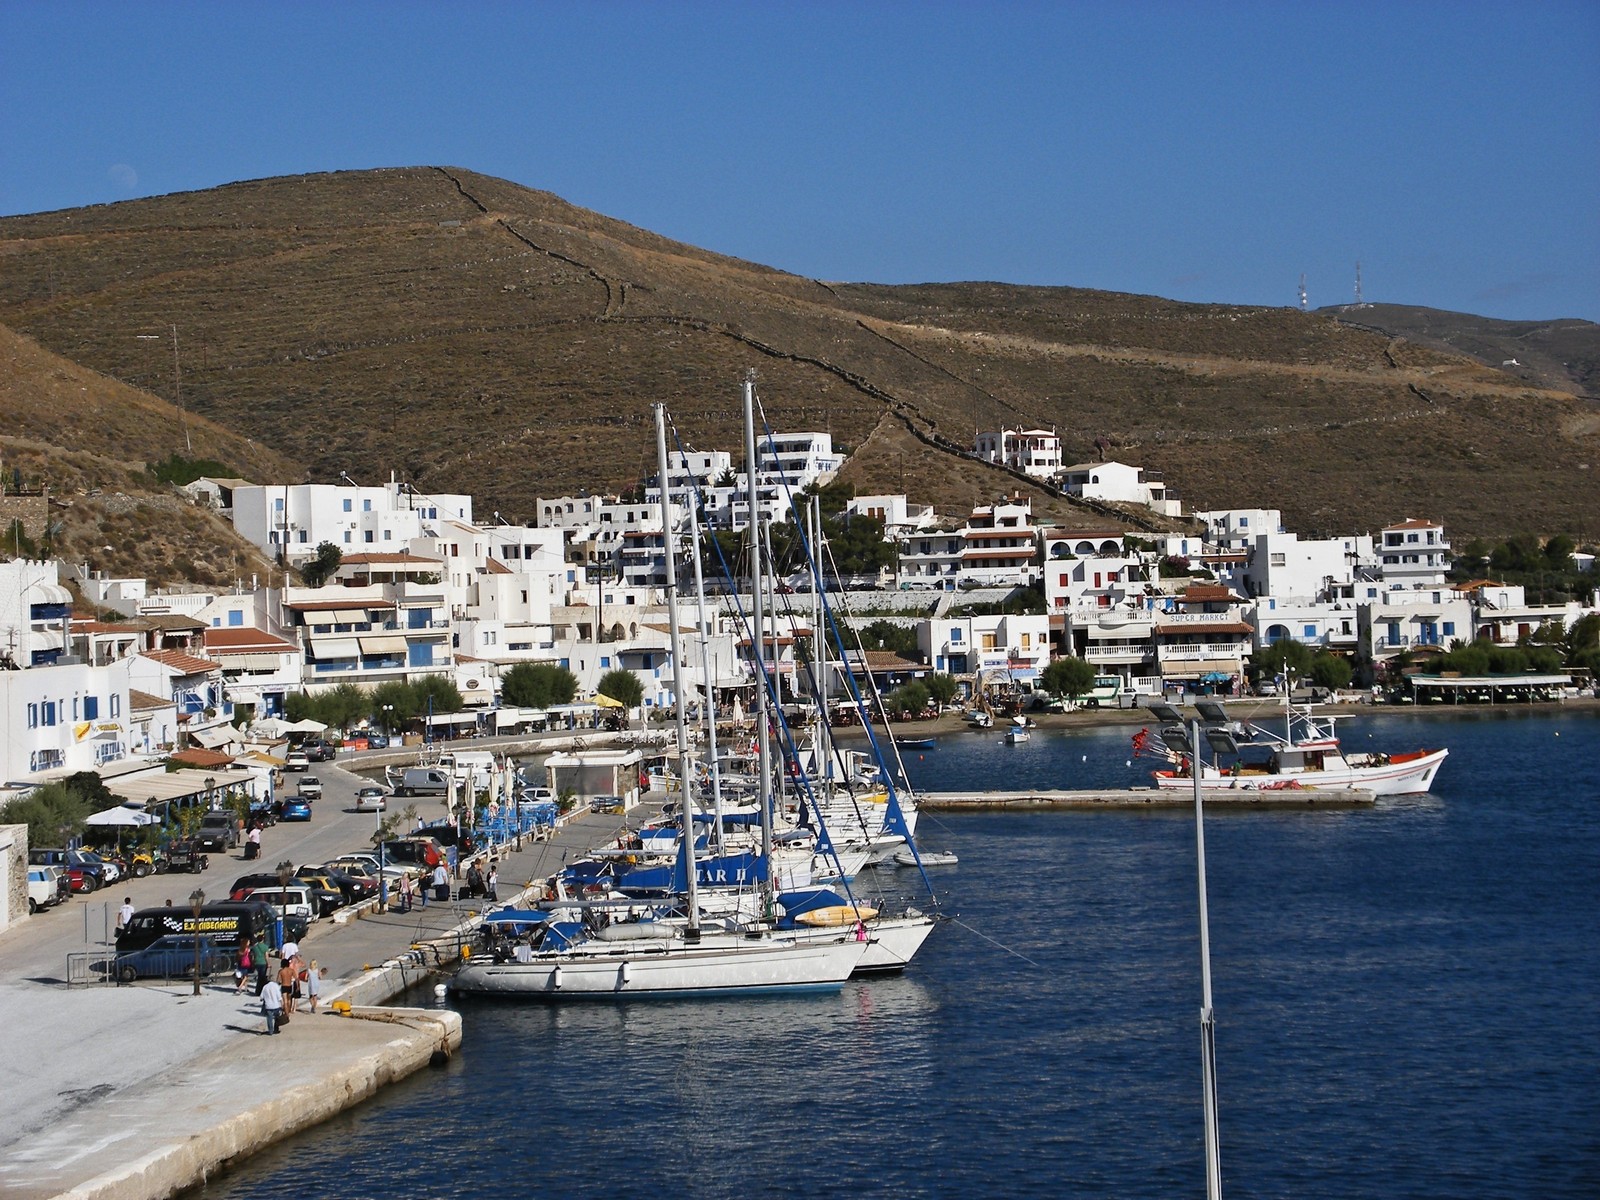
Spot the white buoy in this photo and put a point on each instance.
(439, 990)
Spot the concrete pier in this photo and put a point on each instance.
(1142, 798)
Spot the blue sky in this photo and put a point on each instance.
(1201, 151)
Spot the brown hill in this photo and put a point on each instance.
(481, 336)
(88, 440)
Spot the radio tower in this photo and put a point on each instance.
(1359, 302)
(1302, 291)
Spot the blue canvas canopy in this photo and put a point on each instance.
(807, 899)
(517, 916)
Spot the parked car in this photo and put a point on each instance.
(184, 855)
(422, 852)
(292, 901)
(367, 863)
(319, 750)
(295, 808)
(110, 869)
(296, 761)
(218, 833)
(310, 788)
(87, 871)
(353, 888)
(372, 798)
(44, 888)
(377, 741)
(173, 957)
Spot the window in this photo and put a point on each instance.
(348, 505)
(346, 537)
(91, 708)
(116, 704)
(277, 505)
(47, 713)
(605, 660)
(1310, 631)
(1448, 628)
(1244, 522)
(366, 535)
(305, 535)
(388, 534)
(236, 617)
(33, 716)
(955, 634)
(366, 506)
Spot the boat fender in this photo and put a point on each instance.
(627, 972)
(555, 979)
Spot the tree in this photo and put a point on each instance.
(52, 814)
(886, 635)
(441, 690)
(1283, 657)
(538, 685)
(623, 687)
(943, 688)
(910, 697)
(1069, 677)
(1331, 671)
(322, 565)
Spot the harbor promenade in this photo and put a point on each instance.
(131, 1092)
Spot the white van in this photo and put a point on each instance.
(422, 781)
(291, 901)
(44, 888)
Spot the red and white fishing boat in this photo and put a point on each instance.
(1305, 753)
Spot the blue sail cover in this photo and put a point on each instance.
(517, 916)
(731, 870)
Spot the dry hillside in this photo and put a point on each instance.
(480, 336)
(87, 439)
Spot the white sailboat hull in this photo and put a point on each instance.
(667, 971)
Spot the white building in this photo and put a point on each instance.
(992, 648)
(292, 520)
(899, 517)
(58, 719)
(1119, 483)
(1237, 528)
(1414, 554)
(35, 610)
(999, 545)
(1286, 566)
(1034, 452)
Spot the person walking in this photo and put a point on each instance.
(288, 983)
(125, 914)
(492, 883)
(258, 959)
(405, 894)
(245, 967)
(272, 1004)
(313, 988)
(441, 883)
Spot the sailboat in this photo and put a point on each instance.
(574, 951)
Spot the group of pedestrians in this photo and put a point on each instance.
(281, 991)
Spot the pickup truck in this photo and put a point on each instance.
(216, 834)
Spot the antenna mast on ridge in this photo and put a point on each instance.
(1359, 302)
(1302, 291)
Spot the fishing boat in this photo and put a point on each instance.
(923, 743)
(979, 720)
(1304, 753)
(1017, 732)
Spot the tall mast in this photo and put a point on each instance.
(758, 630)
(686, 802)
(705, 666)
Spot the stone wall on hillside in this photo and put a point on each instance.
(31, 510)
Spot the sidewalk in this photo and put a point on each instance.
(113, 1083)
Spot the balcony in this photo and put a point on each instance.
(1202, 651)
(1116, 654)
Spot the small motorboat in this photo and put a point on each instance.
(905, 857)
(923, 743)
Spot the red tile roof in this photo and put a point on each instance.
(182, 662)
(386, 560)
(196, 757)
(243, 639)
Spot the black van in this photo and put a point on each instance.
(224, 922)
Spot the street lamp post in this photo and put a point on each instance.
(197, 901)
(1187, 741)
(285, 873)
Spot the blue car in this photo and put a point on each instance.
(295, 809)
(172, 957)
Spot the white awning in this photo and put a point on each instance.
(252, 662)
(388, 644)
(325, 648)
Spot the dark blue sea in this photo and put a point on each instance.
(1407, 1000)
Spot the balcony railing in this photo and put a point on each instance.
(1202, 651)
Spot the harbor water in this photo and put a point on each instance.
(1407, 1000)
